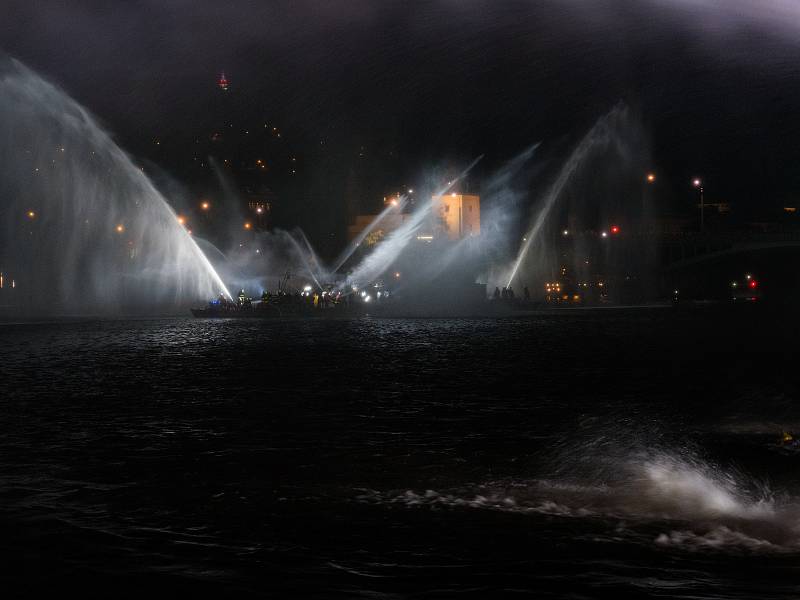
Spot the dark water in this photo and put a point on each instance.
(573, 454)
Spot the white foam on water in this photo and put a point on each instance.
(700, 506)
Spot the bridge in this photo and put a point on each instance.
(681, 251)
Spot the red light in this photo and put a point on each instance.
(753, 284)
(614, 229)
(222, 82)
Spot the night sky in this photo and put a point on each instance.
(412, 84)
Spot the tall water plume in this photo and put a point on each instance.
(83, 228)
(600, 181)
(377, 262)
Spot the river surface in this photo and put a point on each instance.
(568, 454)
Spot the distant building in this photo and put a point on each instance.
(453, 217)
(259, 203)
(457, 215)
(669, 225)
(382, 228)
(718, 207)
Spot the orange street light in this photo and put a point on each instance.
(651, 177)
(120, 228)
(247, 226)
(205, 205)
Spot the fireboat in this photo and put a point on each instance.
(283, 303)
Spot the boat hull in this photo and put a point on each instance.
(275, 313)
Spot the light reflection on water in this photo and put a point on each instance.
(382, 456)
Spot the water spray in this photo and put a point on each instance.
(388, 251)
(398, 206)
(599, 135)
(99, 223)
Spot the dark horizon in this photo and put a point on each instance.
(398, 92)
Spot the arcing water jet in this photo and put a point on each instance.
(83, 227)
(599, 137)
(381, 259)
(351, 248)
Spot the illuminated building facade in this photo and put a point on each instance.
(384, 227)
(453, 217)
(457, 216)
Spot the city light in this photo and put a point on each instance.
(651, 177)
(205, 205)
(247, 225)
(397, 275)
(604, 234)
(181, 220)
(614, 229)
(120, 228)
(410, 190)
(259, 210)
(565, 232)
(31, 214)
(697, 183)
